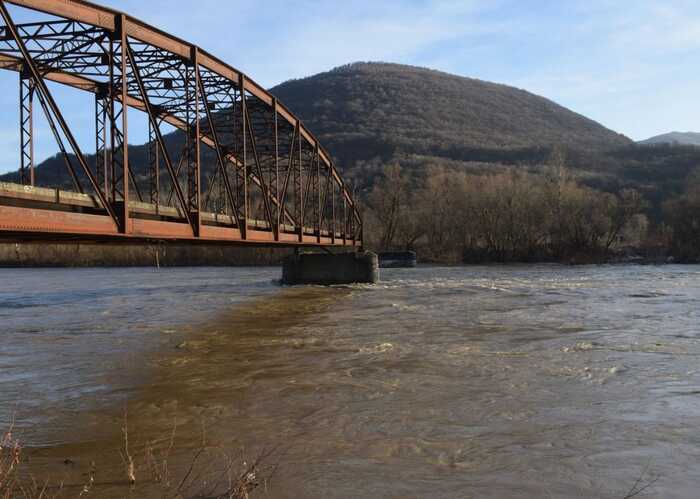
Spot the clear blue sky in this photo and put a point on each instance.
(632, 65)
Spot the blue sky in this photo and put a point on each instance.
(631, 65)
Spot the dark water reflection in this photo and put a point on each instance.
(491, 382)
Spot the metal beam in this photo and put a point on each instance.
(43, 89)
(159, 137)
(194, 167)
(221, 162)
(26, 122)
(261, 177)
(243, 155)
(110, 54)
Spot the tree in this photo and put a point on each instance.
(440, 207)
(388, 202)
(628, 204)
(683, 216)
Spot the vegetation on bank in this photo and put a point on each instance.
(682, 219)
(513, 215)
(152, 470)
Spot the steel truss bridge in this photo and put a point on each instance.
(270, 181)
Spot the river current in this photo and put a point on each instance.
(439, 382)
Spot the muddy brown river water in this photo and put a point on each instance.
(483, 382)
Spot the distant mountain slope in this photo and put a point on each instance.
(369, 114)
(364, 109)
(679, 138)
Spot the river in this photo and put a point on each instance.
(440, 382)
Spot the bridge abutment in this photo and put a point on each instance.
(327, 269)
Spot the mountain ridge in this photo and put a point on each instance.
(382, 112)
(674, 138)
(422, 110)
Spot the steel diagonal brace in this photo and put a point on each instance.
(219, 153)
(211, 181)
(135, 184)
(261, 178)
(43, 89)
(285, 186)
(324, 201)
(61, 146)
(178, 169)
(159, 137)
(309, 179)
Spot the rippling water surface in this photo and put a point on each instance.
(484, 382)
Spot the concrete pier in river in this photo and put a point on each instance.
(326, 268)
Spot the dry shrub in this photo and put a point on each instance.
(12, 484)
(211, 473)
(10, 453)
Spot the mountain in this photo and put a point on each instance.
(674, 138)
(370, 114)
(364, 110)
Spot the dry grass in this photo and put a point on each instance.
(10, 453)
(210, 473)
(12, 484)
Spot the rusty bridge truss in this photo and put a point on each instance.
(267, 180)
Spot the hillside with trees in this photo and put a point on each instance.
(375, 110)
(370, 115)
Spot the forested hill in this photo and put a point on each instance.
(365, 110)
(370, 115)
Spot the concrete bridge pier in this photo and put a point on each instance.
(327, 268)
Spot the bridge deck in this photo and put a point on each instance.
(47, 213)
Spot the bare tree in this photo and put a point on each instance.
(388, 202)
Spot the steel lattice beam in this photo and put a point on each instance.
(26, 119)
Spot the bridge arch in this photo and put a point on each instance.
(272, 181)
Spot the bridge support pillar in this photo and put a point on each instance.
(327, 269)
